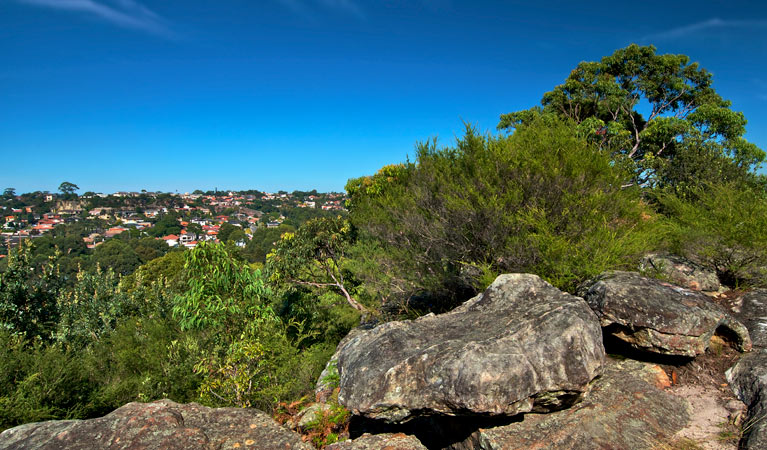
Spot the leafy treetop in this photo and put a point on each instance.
(642, 105)
(313, 256)
(67, 188)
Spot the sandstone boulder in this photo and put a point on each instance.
(158, 425)
(311, 414)
(520, 346)
(328, 380)
(626, 409)
(659, 317)
(681, 271)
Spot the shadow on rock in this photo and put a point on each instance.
(434, 432)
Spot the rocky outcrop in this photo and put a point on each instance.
(387, 441)
(625, 410)
(520, 346)
(158, 425)
(748, 377)
(681, 271)
(655, 316)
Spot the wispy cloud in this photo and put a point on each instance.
(123, 13)
(707, 25)
(759, 86)
(309, 8)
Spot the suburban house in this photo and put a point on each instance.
(171, 240)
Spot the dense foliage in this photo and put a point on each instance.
(207, 330)
(724, 228)
(541, 201)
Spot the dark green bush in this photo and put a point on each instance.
(90, 308)
(542, 200)
(40, 382)
(28, 296)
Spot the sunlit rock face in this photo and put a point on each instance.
(163, 424)
(748, 377)
(520, 346)
(626, 409)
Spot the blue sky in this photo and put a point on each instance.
(175, 95)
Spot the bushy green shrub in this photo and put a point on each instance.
(724, 228)
(326, 316)
(40, 382)
(28, 296)
(90, 308)
(263, 366)
(542, 200)
(166, 270)
(143, 360)
(248, 355)
(222, 292)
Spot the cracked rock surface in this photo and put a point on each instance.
(681, 271)
(627, 409)
(388, 441)
(163, 424)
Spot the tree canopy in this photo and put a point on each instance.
(166, 225)
(68, 188)
(649, 108)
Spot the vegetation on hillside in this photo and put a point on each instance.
(588, 181)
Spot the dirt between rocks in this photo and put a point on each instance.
(716, 414)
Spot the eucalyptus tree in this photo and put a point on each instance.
(313, 256)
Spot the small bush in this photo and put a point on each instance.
(542, 200)
(262, 367)
(89, 308)
(725, 228)
(143, 360)
(40, 382)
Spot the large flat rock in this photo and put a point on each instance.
(520, 346)
(158, 425)
(626, 409)
(658, 317)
